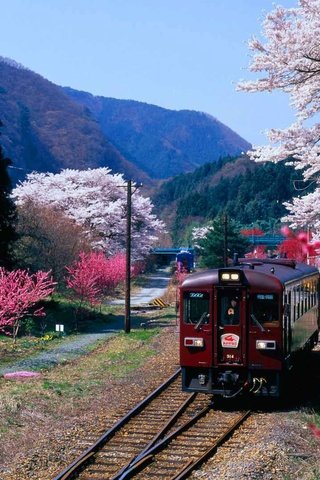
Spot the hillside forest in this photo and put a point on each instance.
(249, 193)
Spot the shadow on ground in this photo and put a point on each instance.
(301, 392)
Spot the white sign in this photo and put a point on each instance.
(230, 340)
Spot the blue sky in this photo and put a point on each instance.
(178, 54)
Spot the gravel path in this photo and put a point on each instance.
(157, 285)
(70, 349)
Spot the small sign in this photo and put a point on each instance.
(158, 303)
(230, 340)
(59, 328)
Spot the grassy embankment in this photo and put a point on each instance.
(79, 381)
(39, 335)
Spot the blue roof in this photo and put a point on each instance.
(171, 251)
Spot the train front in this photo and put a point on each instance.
(230, 333)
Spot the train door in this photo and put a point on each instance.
(231, 326)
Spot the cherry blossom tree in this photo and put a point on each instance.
(96, 200)
(289, 61)
(20, 291)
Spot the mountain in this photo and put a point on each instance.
(45, 130)
(161, 142)
(48, 127)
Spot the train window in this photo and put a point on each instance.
(229, 308)
(314, 293)
(264, 310)
(309, 289)
(297, 301)
(306, 297)
(293, 306)
(196, 307)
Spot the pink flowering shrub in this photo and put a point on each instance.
(138, 267)
(83, 278)
(93, 276)
(112, 272)
(19, 292)
(180, 276)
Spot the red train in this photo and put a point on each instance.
(242, 327)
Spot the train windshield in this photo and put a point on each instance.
(264, 310)
(229, 308)
(196, 307)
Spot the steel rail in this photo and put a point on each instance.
(185, 471)
(143, 460)
(91, 451)
(136, 465)
(145, 452)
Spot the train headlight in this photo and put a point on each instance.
(265, 344)
(230, 276)
(193, 342)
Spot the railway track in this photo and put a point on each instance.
(165, 436)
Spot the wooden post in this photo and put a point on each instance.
(127, 319)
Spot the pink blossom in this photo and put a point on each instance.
(298, 246)
(315, 430)
(19, 292)
(286, 231)
(21, 374)
(181, 275)
(94, 275)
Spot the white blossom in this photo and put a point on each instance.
(289, 60)
(199, 233)
(97, 200)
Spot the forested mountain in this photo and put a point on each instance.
(248, 192)
(159, 141)
(47, 128)
(44, 130)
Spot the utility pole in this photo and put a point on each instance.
(225, 241)
(127, 320)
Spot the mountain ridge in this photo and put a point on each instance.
(179, 140)
(48, 127)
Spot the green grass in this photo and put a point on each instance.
(59, 310)
(312, 415)
(76, 380)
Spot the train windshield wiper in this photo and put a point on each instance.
(254, 318)
(201, 320)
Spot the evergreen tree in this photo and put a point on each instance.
(7, 212)
(213, 245)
